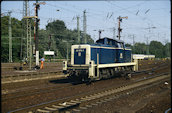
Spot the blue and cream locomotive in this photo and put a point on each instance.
(104, 59)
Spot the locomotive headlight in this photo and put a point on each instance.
(90, 64)
(64, 65)
(79, 53)
(121, 55)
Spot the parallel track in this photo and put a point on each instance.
(86, 100)
(54, 88)
(30, 76)
(40, 75)
(65, 101)
(38, 91)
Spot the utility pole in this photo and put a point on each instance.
(30, 43)
(147, 46)
(149, 29)
(114, 33)
(27, 27)
(149, 38)
(37, 6)
(167, 46)
(119, 29)
(133, 39)
(28, 32)
(84, 26)
(133, 43)
(67, 43)
(10, 37)
(23, 33)
(78, 29)
(67, 51)
(132, 36)
(35, 34)
(147, 43)
(49, 44)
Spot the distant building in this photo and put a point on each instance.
(142, 56)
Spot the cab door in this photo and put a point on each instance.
(80, 56)
(120, 53)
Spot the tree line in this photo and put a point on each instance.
(154, 48)
(58, 38)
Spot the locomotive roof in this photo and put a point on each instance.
(108, 42)
(120, 41)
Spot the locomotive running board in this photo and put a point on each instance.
(116, 65)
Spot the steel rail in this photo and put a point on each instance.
(89, 105)
(64, 87)
(31, 76)
(37, 92)
(35, 75)
(91, 96)
(145, 71)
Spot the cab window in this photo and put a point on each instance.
(119, 46)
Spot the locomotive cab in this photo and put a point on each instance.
(111, 42)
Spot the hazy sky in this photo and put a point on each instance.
(142, 14)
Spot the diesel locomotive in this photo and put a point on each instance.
(104, 59)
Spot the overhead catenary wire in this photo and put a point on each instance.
(98, 14)
(143, 18)
(70, 10)
(57, 6)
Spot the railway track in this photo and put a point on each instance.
(36, 90)
(149, 64)
(152, 69)
(84, 101)
(17, 95)
(31, 76)
(148, 71)
(44, 75)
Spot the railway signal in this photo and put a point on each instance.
(37, 6)
(78, 30)
(84, 26)
(119, 29)
(100, 31)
